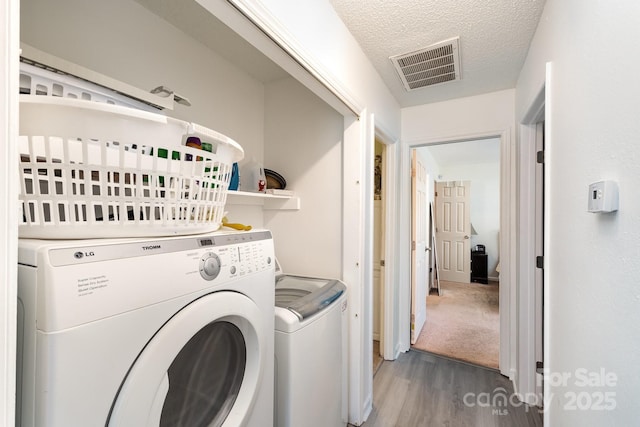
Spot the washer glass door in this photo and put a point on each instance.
(205, 377)
(202, 368)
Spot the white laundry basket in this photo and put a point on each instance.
(90, 169)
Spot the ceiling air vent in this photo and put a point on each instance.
(438, 63)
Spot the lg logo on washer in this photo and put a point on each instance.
(80, 255)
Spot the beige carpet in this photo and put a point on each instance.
(463, 323)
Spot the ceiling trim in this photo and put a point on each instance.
(425, 142)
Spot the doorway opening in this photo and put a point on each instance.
(379, 198)
(463, 252)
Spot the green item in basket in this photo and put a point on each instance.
(163, 153)
(207, 147)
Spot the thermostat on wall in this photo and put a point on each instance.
(603, 196)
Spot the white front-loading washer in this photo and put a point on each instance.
(159, 332)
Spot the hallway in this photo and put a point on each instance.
(421, 389)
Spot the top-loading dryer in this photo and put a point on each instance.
(132, 332)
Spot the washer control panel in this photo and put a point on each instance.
(210, 266)
(234, 259)
(90, 280)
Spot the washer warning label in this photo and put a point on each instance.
(89, 285)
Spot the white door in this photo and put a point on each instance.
(203, 367)
(419, 232)
(453, 230)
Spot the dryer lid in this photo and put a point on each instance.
(306, 296)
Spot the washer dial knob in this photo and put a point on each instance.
(210, 266)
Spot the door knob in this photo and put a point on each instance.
(466, 237)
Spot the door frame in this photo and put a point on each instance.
(389, 204)
(508, 222)
(527, 386)
(9, 53)
(389, 308)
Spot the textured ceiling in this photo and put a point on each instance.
(494, 39)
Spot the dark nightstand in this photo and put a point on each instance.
(479, 267)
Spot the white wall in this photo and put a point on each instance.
(461, 117)
(485, 204)
(593, 261)
(433, 170)
(125, 41)
(303, 143)
(334, 52)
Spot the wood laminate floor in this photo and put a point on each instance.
(377, 359)
(421, 389)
